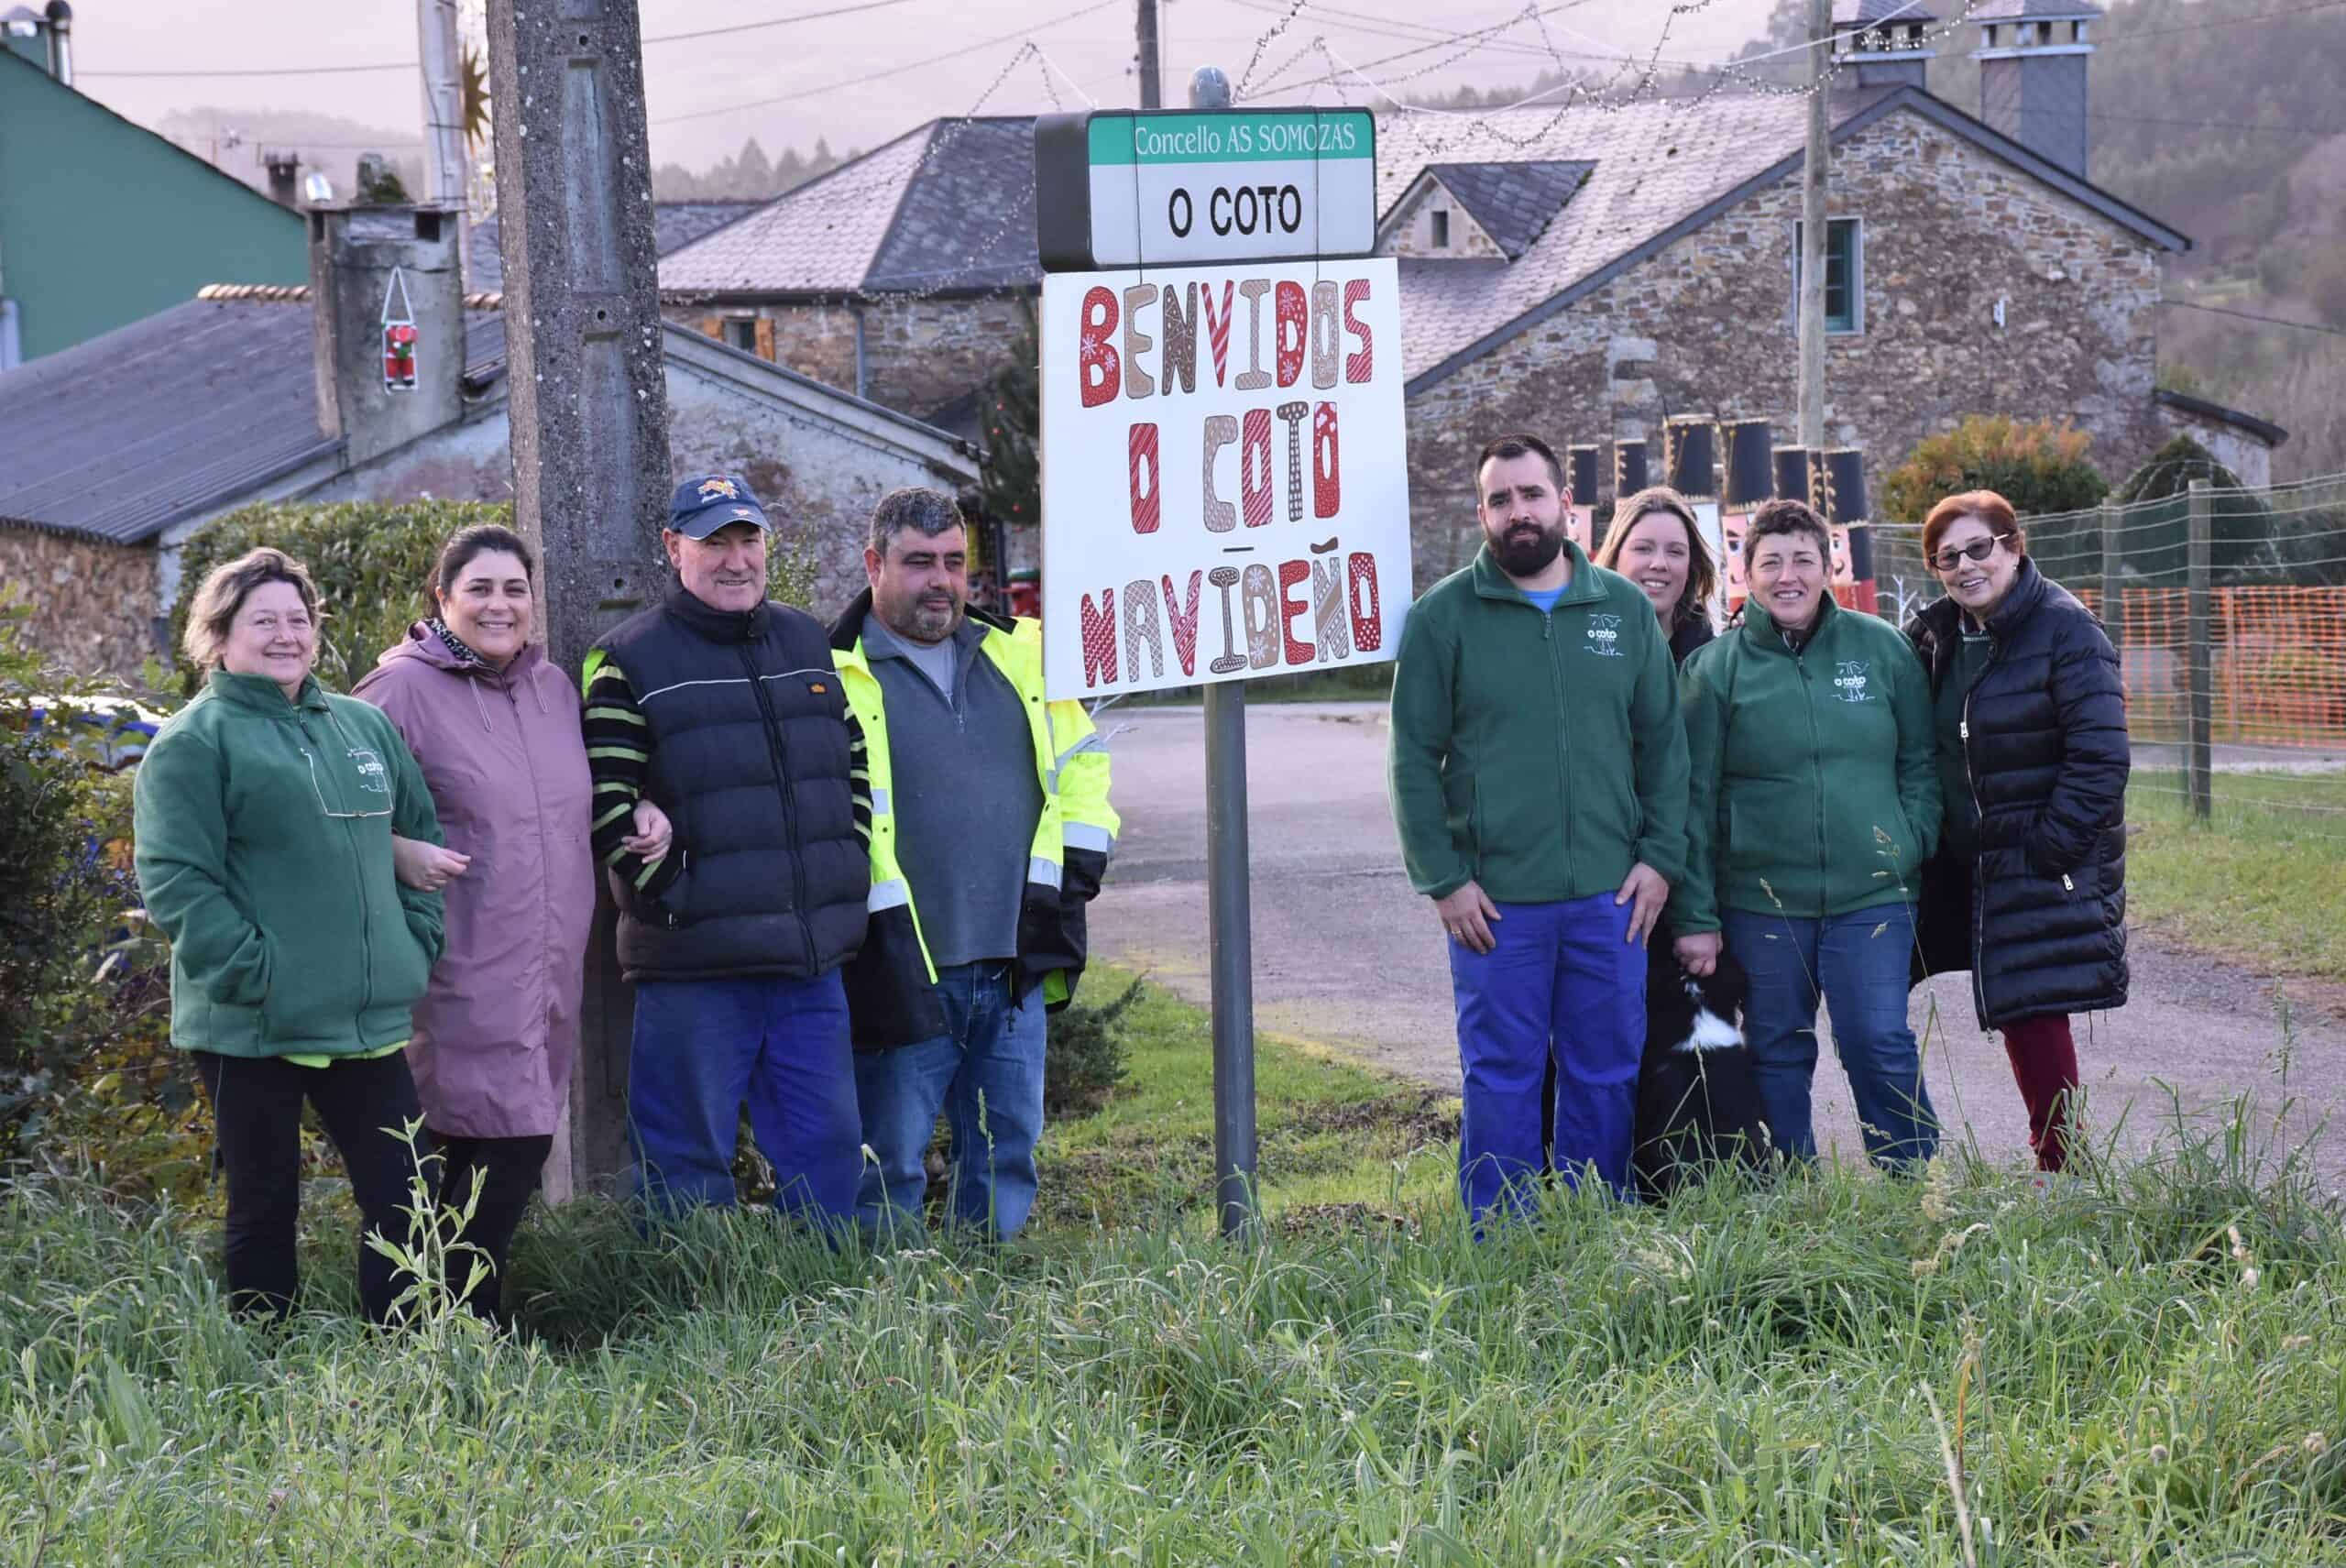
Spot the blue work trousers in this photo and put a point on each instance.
(1563, 976)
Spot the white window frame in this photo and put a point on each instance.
(1856, 227)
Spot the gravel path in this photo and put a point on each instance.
(1348, 956)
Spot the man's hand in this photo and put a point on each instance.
(1649, 890)
(650, 840)
(427, 868)
(1467, 914)
(1699, 954)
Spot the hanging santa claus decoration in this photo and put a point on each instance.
(398, 336)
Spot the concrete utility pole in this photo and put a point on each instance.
(444, 184)
(588, 405)
(1152, 77)
(1813, 222)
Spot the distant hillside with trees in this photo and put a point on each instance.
(2222, 117)
(747, 175)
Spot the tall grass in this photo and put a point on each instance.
(2147, 1366)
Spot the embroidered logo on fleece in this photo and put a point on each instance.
(1849, 686)
(372, 777)
(1605, 635)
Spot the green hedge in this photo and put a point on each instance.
(372, 561)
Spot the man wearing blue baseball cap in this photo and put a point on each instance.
(723, 707)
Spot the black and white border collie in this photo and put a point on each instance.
(1698, 1104)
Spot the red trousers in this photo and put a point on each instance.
(2044, 1065)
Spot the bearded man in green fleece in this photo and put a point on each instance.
(1539, 782)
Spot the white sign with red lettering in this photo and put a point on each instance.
(1226, 478)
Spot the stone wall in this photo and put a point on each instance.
(1411, 229)
(93, 604)
(818, 481)
(1705, 327)
(2228, 443)
(918, 355)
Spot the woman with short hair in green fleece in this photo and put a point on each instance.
(1813, 802)
(264, 812)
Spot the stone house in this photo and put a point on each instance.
(122, 447)
(1586, 274)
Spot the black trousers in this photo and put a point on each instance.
(507, 1171)
(256, 1108)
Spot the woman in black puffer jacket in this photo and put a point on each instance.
(2028, 889)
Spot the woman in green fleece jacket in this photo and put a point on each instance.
(1814, 799)
(265, 811)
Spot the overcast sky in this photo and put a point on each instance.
(809, 60)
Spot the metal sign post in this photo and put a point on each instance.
(1230, 904)
(1209, 308)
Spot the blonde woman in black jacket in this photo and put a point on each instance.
(2028, 889)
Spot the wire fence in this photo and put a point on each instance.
(2228, 608)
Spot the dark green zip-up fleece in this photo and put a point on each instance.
(1539, 755)
(1815, 787)
(264, 849)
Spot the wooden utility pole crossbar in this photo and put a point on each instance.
(1813, 171)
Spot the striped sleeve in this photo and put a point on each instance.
(619, 756)
(859, 778)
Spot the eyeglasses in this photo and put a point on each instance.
(1955, 555)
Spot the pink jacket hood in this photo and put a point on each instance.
(497, 1031)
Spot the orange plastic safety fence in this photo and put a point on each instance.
(2278, 663)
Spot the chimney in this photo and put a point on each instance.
(284, 166)
(61, 42)
(1888, 42)
(2032, 55)
(390, 324)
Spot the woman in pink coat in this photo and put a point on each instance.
(495, 726)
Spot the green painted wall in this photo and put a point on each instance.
(104, 222)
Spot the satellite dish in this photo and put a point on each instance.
(316, 189)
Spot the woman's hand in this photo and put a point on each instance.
(426, 867)
(652, 833)
(1698, 955)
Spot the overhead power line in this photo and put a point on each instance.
(892, 70)
(2253, 316)
(410, 65)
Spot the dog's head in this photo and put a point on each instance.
(1709, 1008)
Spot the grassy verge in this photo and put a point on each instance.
(1336, 1139)
(2257, 882)
(2145, 1367)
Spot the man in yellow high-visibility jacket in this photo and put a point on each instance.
(990, 829)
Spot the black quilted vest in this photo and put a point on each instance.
(749, 759)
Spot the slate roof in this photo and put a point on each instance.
(2262, 430)
(2023, 10)
(1660, 168)
(197, 407)
(1512, 201)
(173, 417)
(1866, 12)
(675, 225)
(903, 215)
(820, 239)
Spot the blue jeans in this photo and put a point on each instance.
(1566, 973)
(985, 1072)
(703, 1046)
(1858, 961)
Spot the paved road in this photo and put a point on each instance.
(1348, 956)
